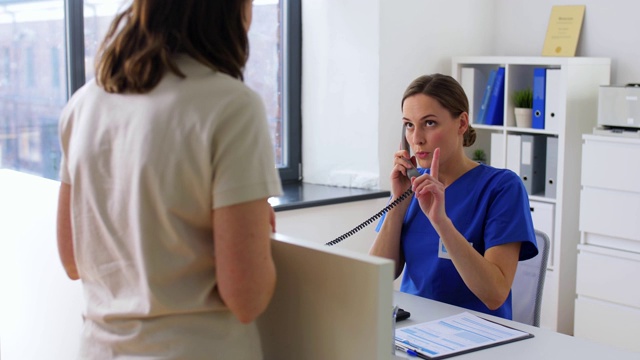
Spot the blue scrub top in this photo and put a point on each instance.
(489, 207)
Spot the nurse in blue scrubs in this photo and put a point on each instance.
(468, 224)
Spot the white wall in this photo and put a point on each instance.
(340, 72)
(359, 55)
(40, 308)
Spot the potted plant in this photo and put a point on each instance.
(523, 102)
(479, 156)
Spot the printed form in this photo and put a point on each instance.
(453, 335)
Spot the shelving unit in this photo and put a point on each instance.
(576, 100)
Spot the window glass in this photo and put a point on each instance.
(263, 72)
(33, 81)
(31, 45)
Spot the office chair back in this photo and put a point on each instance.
(526, 291)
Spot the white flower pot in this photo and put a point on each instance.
(523, 117)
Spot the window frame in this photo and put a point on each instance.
(292, 79)
(291, 35)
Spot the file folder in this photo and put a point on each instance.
(495, 109)
(513, 153)
(539, 87)
(473, 81)
(551, 168)
(497, 150)
(485, 98)
(554, 100)
(543, 215)
(532, 164)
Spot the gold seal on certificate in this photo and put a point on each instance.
(563, 31)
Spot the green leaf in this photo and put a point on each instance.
(523, 98)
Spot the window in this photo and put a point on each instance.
(273, 71)
(32, 34)
(29, 105)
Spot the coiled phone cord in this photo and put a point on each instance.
(371, 219)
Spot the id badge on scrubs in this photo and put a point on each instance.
(442, 251)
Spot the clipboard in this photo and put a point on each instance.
(472, 332)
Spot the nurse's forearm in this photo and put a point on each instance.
(488, 280)
(387, 243)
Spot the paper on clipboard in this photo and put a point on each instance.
(455, 335)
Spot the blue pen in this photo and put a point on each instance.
(412, 352)
(409, 352)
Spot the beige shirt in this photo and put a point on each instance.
(145, 172)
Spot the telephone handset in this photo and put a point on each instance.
(411, 172)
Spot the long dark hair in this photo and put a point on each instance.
(137, 50)
(448, 92)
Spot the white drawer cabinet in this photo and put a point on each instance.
(609, 275)
(610, 212)
(611, 163)
(607, 307)
(608, 323)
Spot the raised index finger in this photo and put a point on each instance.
(435, 163)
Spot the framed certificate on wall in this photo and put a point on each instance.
(563, 31)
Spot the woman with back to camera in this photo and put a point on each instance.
(460, 238)
(166, 171)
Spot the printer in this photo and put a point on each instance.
(619, 106)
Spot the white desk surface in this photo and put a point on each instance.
(545, 344)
